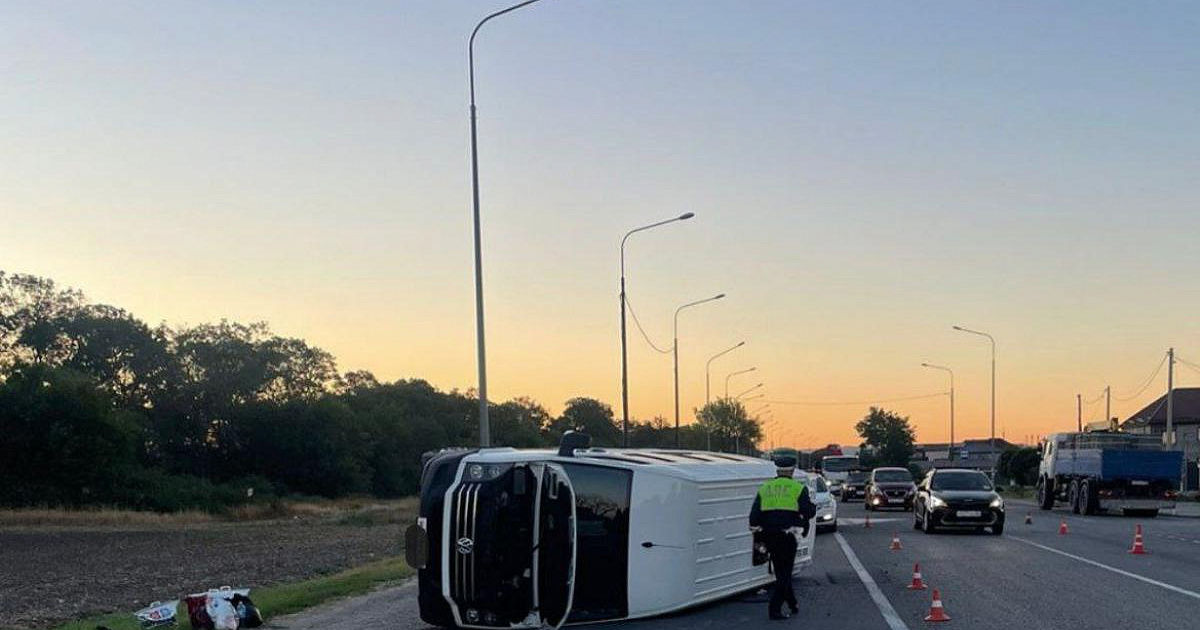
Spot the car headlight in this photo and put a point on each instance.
(936, 501)
(998, 503)
(486, 472)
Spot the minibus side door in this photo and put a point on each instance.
(556, 549)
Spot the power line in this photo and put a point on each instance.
(1145, 384)
(822, 403)
(1187, 363)
(629, 306)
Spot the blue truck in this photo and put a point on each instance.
(1108, 471)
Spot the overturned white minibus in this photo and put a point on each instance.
(523, 538)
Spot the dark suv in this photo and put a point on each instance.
(957, 498)
(855, 486)
(890, 488)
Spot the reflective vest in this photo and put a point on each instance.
(780, 493)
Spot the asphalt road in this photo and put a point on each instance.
(1031, 578)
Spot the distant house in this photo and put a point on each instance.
(1185, 424)
(967, 454)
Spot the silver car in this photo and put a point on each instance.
(826, 519)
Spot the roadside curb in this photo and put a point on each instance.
(1167, 513)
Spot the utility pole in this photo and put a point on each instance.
(1079, 413)
(1108, 403)
(1169, 436)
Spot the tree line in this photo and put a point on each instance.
(99, 407)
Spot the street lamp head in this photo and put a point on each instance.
(719, 296)
(924, 365)
(687, 215)
(957, 327)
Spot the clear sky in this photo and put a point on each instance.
(864, 176)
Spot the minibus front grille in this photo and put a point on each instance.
(463, 514)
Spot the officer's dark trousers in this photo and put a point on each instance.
(782, 547)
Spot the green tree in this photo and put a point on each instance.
(30, 308)
(728, 425)
(519, 423)
(589, 416)
(1019, 465)
(61, 440)
(887, 438)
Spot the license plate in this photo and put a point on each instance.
(969, 513)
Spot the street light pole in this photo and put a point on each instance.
(992, 441)
(624, 349)
(707, 372)
(485, 433)
(675, 352)
(951, 373)
(739, 396)
(733, 374)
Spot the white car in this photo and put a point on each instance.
(822, 496)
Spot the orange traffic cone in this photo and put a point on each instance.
(936, 612)
(917, 584)
(867, 523)
(1138, 548)
(1029, 518)
(1062, 527)
(896, 546)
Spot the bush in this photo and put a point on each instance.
(155, 490)
(61, 441)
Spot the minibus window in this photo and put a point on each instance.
(602, 538)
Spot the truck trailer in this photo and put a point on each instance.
(1108, 471)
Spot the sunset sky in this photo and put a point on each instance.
(863, 178)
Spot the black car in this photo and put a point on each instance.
(959, 499)
(889, 488)
(855, 486)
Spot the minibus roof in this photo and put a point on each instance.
(687, 464)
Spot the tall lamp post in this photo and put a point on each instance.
(992, 441)
(485, 433)
(675, 351)
(951, 373)
(624, 349)
(733, 374)
(707, 370)
(739, 396)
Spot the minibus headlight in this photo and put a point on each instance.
(486, 472)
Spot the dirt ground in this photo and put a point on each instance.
(55, 573)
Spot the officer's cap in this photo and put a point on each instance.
(785, 461)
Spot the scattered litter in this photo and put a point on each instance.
(223, 608)
(158, 615)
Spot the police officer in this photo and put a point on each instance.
(781, 508)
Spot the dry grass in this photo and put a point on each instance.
(98, 517)
(349, 511)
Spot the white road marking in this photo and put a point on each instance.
(1142, 578)
(881, 601)
(860, 521)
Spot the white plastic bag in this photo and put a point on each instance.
(224, 616)
(158, 614)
